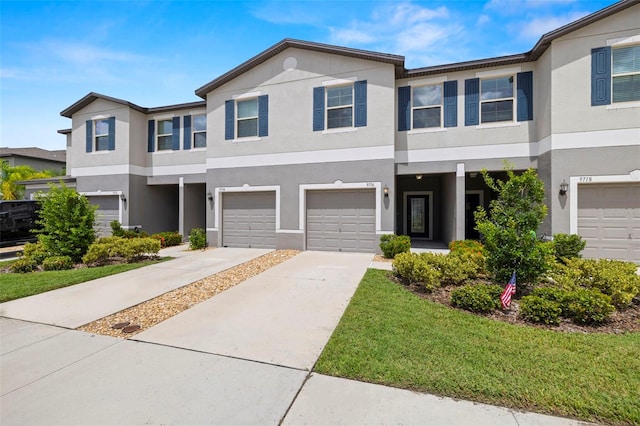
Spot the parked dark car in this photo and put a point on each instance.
(17, 220)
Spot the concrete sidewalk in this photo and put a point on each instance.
(74, 306)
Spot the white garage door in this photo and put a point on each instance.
(341, 220)
(108, 211)
(249, 220)
(609, 220)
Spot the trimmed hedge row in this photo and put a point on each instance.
(108, 248)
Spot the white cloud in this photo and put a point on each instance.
(351, 35)
(483, 19)
(539, 26)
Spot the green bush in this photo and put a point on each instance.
(110, 248)
(34, 251)
(168, 238)
(589, 307)
(455, 269)
(480, 298)
(469, 250)
(197, 239)
(57, 263)
(412, 268)
(568, 246)
(116, 228)
(540, 310)
(392, 244)
(615, 278)
(67, 220)
(23, 265)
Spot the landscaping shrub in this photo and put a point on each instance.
(589, 307)
(480, 298)
(454, 269)
(34, 251)
(413, 268)
(509, 228)
(57, 263)
(540, 310)
(67, 220)
(392, 244)
(568, 246)
(118, 231)
(23, 265)
(469, 250)
(109, 248)
(197, 239)
(116, 228)
(168, 239)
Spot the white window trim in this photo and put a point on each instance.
(440, 105)
(430, 208)
(158, 135)
(498, 73)
(427, 130)
(575, 181)
(194, 132)
(239, 138)
(339, 82)
(427, 81)
(239, 189)
(624, 104)
(246, 96)
(94, 122)
(509, 123)
(327, 108)
(619, 42)
(302, 196)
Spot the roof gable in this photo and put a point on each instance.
(91, 97)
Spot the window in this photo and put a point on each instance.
(101, 135)
(339, 107)
(200, 131)
(245, 118)
(165, 135)
(496, 99)
(427, 107)
(626, 74)
(247, 122)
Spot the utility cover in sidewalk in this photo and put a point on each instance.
(131, 328)
(120, 325)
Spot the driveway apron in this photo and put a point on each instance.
(283, 316)
(80, 304)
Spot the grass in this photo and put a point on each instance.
(390, 336)
(15, 286)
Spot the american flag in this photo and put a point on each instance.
(509, 290)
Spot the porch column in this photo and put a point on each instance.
(181, 207)
(460, 203)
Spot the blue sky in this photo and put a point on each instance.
(155, 53)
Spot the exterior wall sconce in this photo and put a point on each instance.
(564, 187)
(386, 191)
(209, 196)
(419, 177)
(123, 197)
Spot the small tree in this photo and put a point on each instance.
(509, 230)
(67, 221)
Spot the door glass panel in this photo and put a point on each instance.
(417, 215)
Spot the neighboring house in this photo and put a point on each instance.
(39, 159)
(318, 147)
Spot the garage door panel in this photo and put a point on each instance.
(108, 211)
(341, 220)
(609, 220)
(249, 220)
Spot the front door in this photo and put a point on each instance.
(418, 216)
(471, 202)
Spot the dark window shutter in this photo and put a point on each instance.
(404, 108)
(229, 119)
(318, 108)
(89, 143)
(525, 96)
(151, 136)
(175, 134)
(360, 95)
(472, 102)
(263, 115)
(601, 76)
(451, 103)
(186, 144)
(112, 133)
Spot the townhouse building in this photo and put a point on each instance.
(318, 147)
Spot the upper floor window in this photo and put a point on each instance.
(340, 106)
(496, 99)
(247, 117)
(427, 107)
(200, 131)
(626, 74)
(165, 135)
(101, 134)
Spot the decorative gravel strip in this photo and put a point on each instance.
(153, 311)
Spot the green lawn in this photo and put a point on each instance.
(15, 286)
(390, 336)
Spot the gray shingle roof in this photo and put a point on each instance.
(43, 154)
